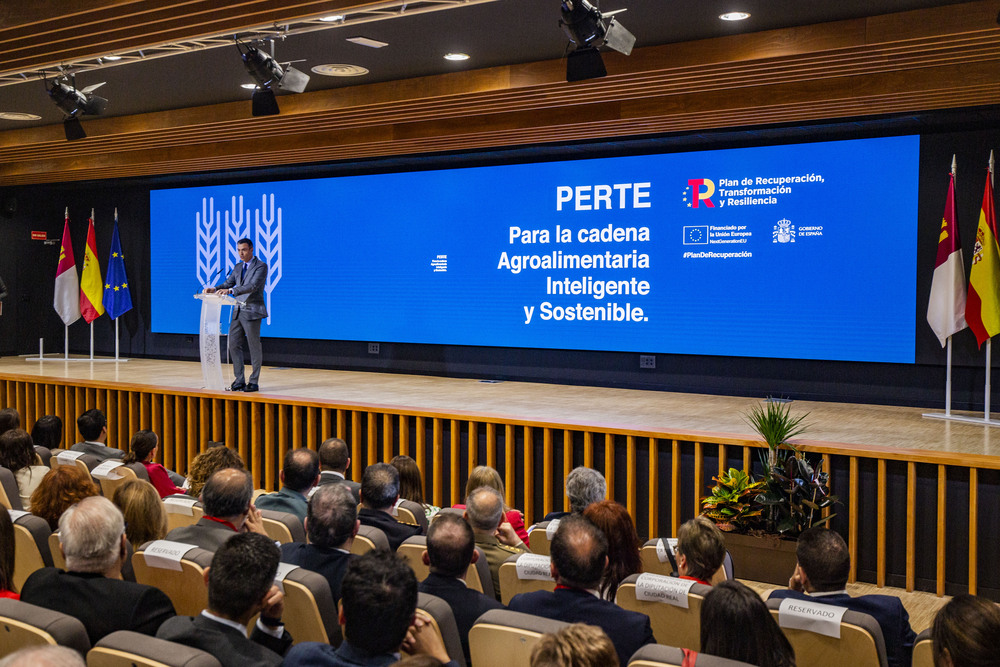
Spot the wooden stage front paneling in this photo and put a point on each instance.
(901, 478)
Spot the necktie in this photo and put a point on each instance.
(243, 273)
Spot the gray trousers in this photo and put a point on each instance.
(243, 329)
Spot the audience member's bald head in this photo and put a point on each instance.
(379, 486)
(450, 545)
(332, 516)
(579, 553)
(300, 469)
(484, 509)
(335, 455)
(227, 493)
(43, 656)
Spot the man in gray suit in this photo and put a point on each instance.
(246, 280)
(93, 427)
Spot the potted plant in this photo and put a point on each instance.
(732, 504)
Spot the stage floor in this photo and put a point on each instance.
(875, 426)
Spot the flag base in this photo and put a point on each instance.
(962, 418)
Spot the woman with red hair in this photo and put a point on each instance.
(623, 544)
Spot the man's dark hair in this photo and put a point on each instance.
(579, 550)
(300, 468)
(9, 420)
(244, 240)
(823, 556)
(242, 572)
(331, 515)
(379, 486)
(334, 454)
(450, 544)
(47, 431)
(227, 493)
(379, 598)
(91, 423)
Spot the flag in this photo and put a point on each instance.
(982, 310)
(946, 307)
(117, 299)
(90, 284)
(67, 298)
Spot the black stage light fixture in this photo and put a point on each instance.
(268, 73)
(75, 103)
(588, 29)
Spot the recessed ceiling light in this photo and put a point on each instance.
(734, 16)
(112, 58)
(333, 18)
(365, 41)
(18, 115)
(248, 86)
(340, 70)
(456, 56)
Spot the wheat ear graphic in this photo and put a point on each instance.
(237, 227)
(208, 232)
(268, 225)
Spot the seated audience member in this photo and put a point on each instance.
(334, 460)
(379, 493)
(700, 550)
(208, 463)
(331, 524)
(228, 511)
(487, 476)
(578, 645)
(43, 656)
(377, 613)
(623, 544)
(145, 515)
(9, 420)
(93, 426)
(92, 539)
(240, 585)
(299, 474)
(411, 483)
(484, 512)
(48, 432)
(451, 548)
(579, 555)
(60, 489)
(7, 555)
(736, 624)
(583, 487)
(965, 633)
(824, 564)
(17, 454)
(142, 449)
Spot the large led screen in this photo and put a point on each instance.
(802, 251)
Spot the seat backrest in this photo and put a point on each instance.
(139, 470)
(658, 655)
(442, 620)
(133, 649)
(57, 556)
(539, 537)
(860, 641)
(923, 650)
(310, 611)
(672, 625)
(182, 511)
(115, 478)
(368, 539)
(283, 527)
(511, 584)
(10, 494)
(501, 638)
(185, 587)
(44, 455)
(31, 546)
(257, 493)
(412, 551)
(23, 625)
(412, 513)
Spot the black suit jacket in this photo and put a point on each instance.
(103, 605)
(628, 630)
(331, 563)
(395, 531)
(466, 604)
(227, 644)
(205, 533)
(327, 477)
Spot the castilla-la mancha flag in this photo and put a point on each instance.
(982, 310)
(946, 307)
(67, 299)
(92, 283)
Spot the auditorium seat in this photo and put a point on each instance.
(502, 638)
(283, 527)
(511, 584)
(539, 538)
(182, 511)
(923, 650)
(31, 547)
(672, 625)
(368, 539)
(57, 556)
(449, 510)
(44, 455)
(658, 655)
(10, 495)
(652, 563)
(185, 588)
(139, 469)
(257, 493)
(442, 620)
(117, 477)
(412, 513)
(23, 625)
(477, 576)
(133, 649)
(860, 641)
(310, 610)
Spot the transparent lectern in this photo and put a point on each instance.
(211, 310)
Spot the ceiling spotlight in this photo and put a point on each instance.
(587, 28)
(333, 18)
(456, 56)
(268, 74)
(734, 16)
(112, 58)
(75, 103)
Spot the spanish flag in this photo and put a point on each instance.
(92, 283)
(982, 309)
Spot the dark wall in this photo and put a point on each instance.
(29, 268)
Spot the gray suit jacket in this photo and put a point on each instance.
(205, 533)
(97, 449)
(250, 289)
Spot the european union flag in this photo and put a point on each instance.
(117, 300)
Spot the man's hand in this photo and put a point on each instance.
(274, 604)
(254, 522)
(506, 535)
(209, 290)
(795, 582)
(422, 640)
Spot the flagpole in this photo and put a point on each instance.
(66, 341)
(989, 365)
(947, 382)
(92, 341)
(116, 339)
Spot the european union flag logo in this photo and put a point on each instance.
(117, 299)
(696, 235)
